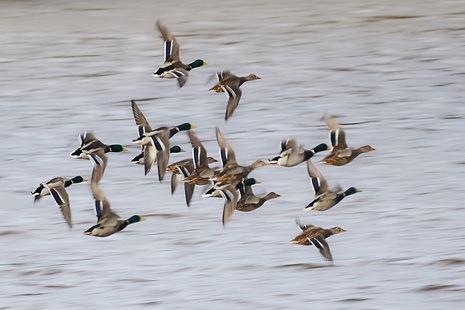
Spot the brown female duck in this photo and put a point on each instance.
(312, 235)
(230, 84)
(249, 202)
(232, 172)
(340, 154)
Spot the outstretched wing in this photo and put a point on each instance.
(318, 181)
(302, 226)
(320, 243)
(227, 155)
(231, 197)
(337, 135)
(143, 125)
(61, 198)
(171, 46)
(199, 153)
(233, 93)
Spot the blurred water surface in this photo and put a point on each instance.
(392, 73)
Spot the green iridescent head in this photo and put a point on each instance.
(186, 126)
(78, 179)
(351, 191)
(320, 148)
(251, 181)
(117, 148)
(176, 149)
(135, 219)
(75, 180)
(198, 63)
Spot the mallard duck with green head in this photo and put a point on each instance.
(292, 155)
(90, 144)
(172, 67)
(340, 154)
(316, 236)
(108, 222)
(324, 197)
(56, 188)
(230, 84)
(155, 143)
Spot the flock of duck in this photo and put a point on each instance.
(231, 181)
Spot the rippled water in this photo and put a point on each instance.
(392, 73)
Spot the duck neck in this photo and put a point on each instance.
(327, 233)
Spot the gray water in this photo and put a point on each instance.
(391, 73)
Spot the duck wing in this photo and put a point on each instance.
(61, 198)
(227, 155)
(302, 226)
(233, 93)
(231, 196)
(288, 145)
(224, 75)
(320, 243)
(199, 153)
(319, 183)
(171, 46)
(337, 135)
(105, 215)
(143, 125)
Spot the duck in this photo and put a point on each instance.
(108, 222)
(172, 67)
(139, 159)
(232, 172)
(249, 202)
(56, 188)
(155, 143)
(90, 144)
(143, 125)
(42, 191)
(316, 236)
(184, 168)
(340, 154)
(230, 84)
(325, 198)
(291, 155)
